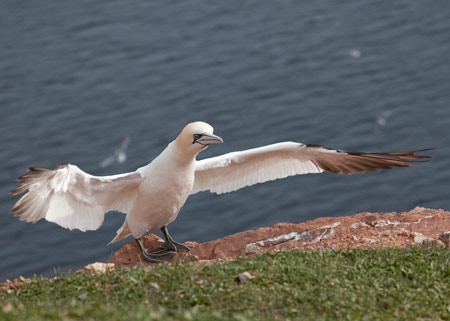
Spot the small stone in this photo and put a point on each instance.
(253, 249)
(425, 241)
(358, 225)
(154, 285)
(355, 238)
(97, 268)
(383, 223)
(445, 238)
(7, 307)
(202, 281)
(330, 225)
(378, 223)
(244, 277)
(401, 232)
(432, 242)
(416, 234)
(190, 258)
(82, 296)
(419, 239)
(369, 240)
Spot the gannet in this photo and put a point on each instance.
(152, 196)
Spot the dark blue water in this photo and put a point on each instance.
(77, 77)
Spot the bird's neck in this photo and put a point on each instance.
(180, 154)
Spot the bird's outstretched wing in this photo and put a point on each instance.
(232, 171)
(72, 198)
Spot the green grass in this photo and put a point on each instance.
(388, 284)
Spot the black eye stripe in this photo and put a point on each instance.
(196, 136)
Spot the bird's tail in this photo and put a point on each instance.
(122, 232)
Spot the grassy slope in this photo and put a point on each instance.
(407, 284)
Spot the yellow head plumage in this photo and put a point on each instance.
(197, 136)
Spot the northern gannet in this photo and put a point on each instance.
(153, 195)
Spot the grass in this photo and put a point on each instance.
(387, 284)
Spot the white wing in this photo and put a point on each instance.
(72, 198)
(232, 171)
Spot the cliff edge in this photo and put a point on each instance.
(418, 227)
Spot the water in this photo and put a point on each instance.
(76, 78)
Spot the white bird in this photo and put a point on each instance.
(153, 195)
(119, 155)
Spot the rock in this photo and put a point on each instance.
(363, 230)
(130, 255)
(82, 296)
(8, 307)
(253, 249)
(425, 241)
(382, 223)
(97, 268)
(189, 258)
(445, 238)
(401, 231)
(429, 242)
(331, 225)
(369, 240)
(202, 281)
(244, 277)
(359, 224)
(420, 226)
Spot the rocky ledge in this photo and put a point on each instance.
(419, 227)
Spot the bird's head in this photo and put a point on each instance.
(196, 137)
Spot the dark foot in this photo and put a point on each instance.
(161, 255)
(171, 243)
(173, 246)
(181, 247)
(165, 252)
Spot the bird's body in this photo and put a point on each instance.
(166, 184)
(153, 195)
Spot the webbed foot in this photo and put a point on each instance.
(160, 255)
(165, 252)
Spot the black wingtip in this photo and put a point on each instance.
(425, 150)
(420, 158)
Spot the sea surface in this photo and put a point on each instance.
(78, 78)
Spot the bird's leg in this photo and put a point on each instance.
(157, 256)
(170, 243)
(165, 252)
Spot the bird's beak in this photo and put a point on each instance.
(208, 139)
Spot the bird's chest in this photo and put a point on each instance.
(167, 190)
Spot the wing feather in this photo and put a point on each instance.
(72, 198)
(232, 171)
